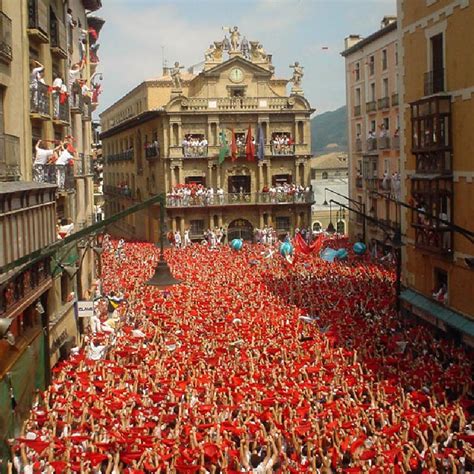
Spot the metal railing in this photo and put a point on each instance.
(5, 38)
(195, 151)
(358, 145)
(357, 110)
(434, 81)
(228, 199)
(371, 106)
(39, 99)
(38, 14)
(152, 151)
(359, 182)
(123, 191)
(76, 99)
(53, 175)
(86, 108)
(281, 149)
(384, 103)
(394, 99)
(123, 156)
(9, 158)
(383, 143)
(60, 110)
(237, 103)
(371, 144)
(83, 165)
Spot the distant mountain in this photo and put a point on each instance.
(329, 131)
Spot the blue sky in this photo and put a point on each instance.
(135, 31)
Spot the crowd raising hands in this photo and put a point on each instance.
(254, 365)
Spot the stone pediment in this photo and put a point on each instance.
(237, 61)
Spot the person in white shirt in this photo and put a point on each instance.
(42, 157)
(36, 76)
(61, 163)
(177, 239)
(187, 239)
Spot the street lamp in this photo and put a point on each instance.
(162, 278)
(330, 229)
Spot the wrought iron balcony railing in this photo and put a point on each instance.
(9, 158)
(123, 156)
(5, 38)
(371, 106)
(40, 99)
(358, 145)
(38, 15)
(54, 175)
(383, 143)
(60, 110)
(195, 151)
(281, 149)
(394, 100)
(371, 144)
(383, 103)
(152, 151)
(396, 142)
(357, 110)
(122, 191)
(229, 199)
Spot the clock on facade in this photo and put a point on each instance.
(236, 75)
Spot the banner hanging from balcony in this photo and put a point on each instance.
(249, 146)
(260, 143)
(223, 147)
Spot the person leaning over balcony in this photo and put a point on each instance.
(42, 157)
(63, 160)
(36, 77)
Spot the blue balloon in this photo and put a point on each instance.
(359, 248)
(328, 254)
(341, 254)
(237, 244)
(286, 249)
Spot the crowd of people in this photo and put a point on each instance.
(194, 194)
(286, 192)
(194, 146)
(282, 144)
(253, 365)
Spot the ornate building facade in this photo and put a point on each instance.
(166, 135)
(437, 93)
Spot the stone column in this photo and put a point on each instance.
(209, 183)
(219, 219)
(260, 220)
(269, 173)
(173, 180)
(180, 174)
(260, 177)
(218, 172)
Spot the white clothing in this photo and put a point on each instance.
(63, 158)
(42, 156)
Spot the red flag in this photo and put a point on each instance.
(249, 146)
(233, 147)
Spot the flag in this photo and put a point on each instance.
(224, 147)
(249, 146)
(233, 147)
(260, 143)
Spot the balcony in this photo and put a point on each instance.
(385, 185)
(383, 143)
(383, 103)
(237, 103)
(357, 110)
(371, 106)
(396, 142)
(372, 184)
(358, 145)
(372, 144)
(86, 109)
(60, 110)
(195, 151)
(358, 182)
(58, 38)
(76, 99)
(434, 163)
(38, 15)
(120, 191)
(54, 175)
(434, 81)
(5, 39)
(239, 199)
(118, 157)
(434, 239)
(9, 158)
(40, 106)
(281, 149)
(83, 165)
(394, 100)
(152, 151)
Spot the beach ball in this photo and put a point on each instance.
(286, 249)
(359, 248)
(237, 244)
(341, 254)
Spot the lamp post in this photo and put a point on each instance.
(162, 278)
(360, 205)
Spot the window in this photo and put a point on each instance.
(325, 175)
(384, 60)
(358, 130)
(237, 92)
(387, 166)
(386, 123)
(372, 91)
(371, 65)
(440, 288)
(283, 224)
(435, 81)
(357, 71)
(372, 125)
(280, 179)
(357, 96)
(396, 55)
(195, 180)
(196, 227)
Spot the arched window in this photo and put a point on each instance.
(325, 175)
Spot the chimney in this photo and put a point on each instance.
(351, 40)
(387, 20)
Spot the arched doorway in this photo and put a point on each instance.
(240, 229)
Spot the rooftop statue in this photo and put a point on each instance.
(297, 77)
(257, 53)
(235, 39)
(245, 48)
(214, 52)
(176, 75)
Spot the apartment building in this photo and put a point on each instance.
(373, 132)
(437, 93)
